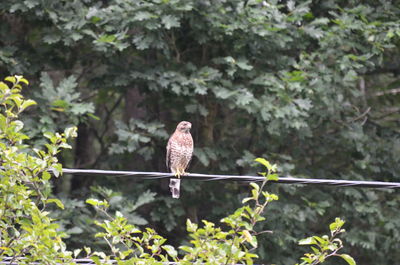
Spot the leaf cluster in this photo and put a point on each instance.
(27, 231)
(232, 243)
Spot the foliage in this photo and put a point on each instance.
(326, 246)
(76, 219)
(232, 243)
(132, 137)
(25, 226)
(312, 85)
(28, 233)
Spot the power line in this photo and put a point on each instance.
(85, 261)
(15, 261)
(206, 177)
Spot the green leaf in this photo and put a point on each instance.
(264, 162)
(57, 169)
(255, 186)
(186, 249)
(87, 250)
(321, 240)
(11, 79)
(170, 21)
(46, 175)
(48, 135)
(59, 103)
(274, 197)
(106, 38)
(143, 15)
(170, 250)
(18, 125)
(247, 199)
(96, 260)
(23, 80)
(93, 202)
(348, 258)
(95, 19)
(71, 132)
(273, 177)
(17, 99)
(191, 227)
(27, 103)
(57, 202)
(336, 225)
(243, 64)
(307, 241)
(249, 238)
(3, 87)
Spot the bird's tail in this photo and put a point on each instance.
(175, 187)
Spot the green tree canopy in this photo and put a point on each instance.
(312, 85)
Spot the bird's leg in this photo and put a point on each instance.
(178, 173)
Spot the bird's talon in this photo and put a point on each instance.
(178, 174)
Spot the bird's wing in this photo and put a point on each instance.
(191, 156)
(168, 157)
(188, 163)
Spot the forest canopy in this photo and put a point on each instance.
(312, 86)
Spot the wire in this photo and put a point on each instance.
(205, 177)
(15, 261)
(86, 261)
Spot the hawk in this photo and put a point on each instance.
(179, 154)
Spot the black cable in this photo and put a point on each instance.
(85, 261)
(206, 177)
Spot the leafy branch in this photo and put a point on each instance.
(26, 229)
(326, 246)
(232, 243)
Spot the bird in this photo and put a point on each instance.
(179, 153)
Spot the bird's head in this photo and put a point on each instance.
(184, 126)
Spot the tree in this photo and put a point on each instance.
(311, 85)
